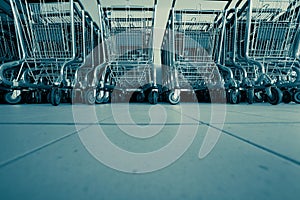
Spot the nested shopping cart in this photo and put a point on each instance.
(9, 50)
(129, 70)
(263, 40)
(52, 39)
(83, 85)
(8, 39)
(190, 54)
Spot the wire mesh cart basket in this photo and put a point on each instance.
(190, 54)
(261, 45)
(9, 51)
(129, 70)
(53, 42)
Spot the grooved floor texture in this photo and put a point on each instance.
(141, 151)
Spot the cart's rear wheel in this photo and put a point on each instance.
(12, 99)
(296, 97)
(55, 96)
(49, 97)
(140, 97)
(38, 96)
(276, 97)
(153, 97)
(173, 99)
(28, 98)
(234, 96)
(286, 97)
(90, 96)
(250, 96)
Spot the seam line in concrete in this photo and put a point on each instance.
(34, 150)
(294, 161)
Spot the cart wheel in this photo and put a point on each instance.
(276, 97)
(11, 99)
(286, 97)
(102, 97)
(258, 97)
(233, 96)
(153, 97)
(105, 99)
(49, 97)
(172, 99)
(28, 98)
(250, 96)
(38, 96)
(140, 97)
(99, 97)
(89, 96)
(55, 96)
(296, 97)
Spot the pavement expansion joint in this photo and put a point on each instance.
(34, 150)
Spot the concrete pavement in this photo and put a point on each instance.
(257, 155)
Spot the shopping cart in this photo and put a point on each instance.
(128, 49)
(189, 54)
(263, 48)
(52, 39)
(9, 51)
(83, 86)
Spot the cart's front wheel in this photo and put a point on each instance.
(90, 98)
(296, 97)
(99, 97)
(286, 97)
(234, 96)
(173, 98)
(250, 96)
(259, 97)
(55, 96)
(106, 97)
(153, 97)
(276, 96)
(12, 99)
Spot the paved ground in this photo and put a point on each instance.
(51, 152)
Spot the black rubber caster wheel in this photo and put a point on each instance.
(296, 97)
(250, 96)
(55, 96)
(90, 97)
(153, 97)
(286, 97)
(233, 96)
(12, 99)
(173, 98)
(276, 97)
